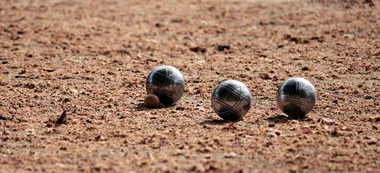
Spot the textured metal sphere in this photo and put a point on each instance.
(167, 83)
(231, 100)
(296, 97)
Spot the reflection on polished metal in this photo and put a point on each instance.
(296, 97)
(231, 100)
(167, 83)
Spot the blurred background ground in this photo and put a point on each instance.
(91, 59)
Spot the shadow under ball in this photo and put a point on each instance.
(296, 97)
(167, 83)
(231, 100)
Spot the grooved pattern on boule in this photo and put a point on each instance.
(167, 83)
(231, 100)
(296, 97)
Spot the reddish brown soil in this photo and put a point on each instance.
(90, 59)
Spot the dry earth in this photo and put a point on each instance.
(89, 60)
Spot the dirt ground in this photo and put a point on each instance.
(90, 59)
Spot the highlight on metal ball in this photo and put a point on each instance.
(231, 100)
(167, 83)
(296, 97)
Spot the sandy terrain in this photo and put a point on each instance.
(89, 60)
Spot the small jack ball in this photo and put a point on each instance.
(167, 83)
(151, 101)
(296, 97)
(231, 100)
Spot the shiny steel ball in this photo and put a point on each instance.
(167, 83)
(231, 100)
(296, 97)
